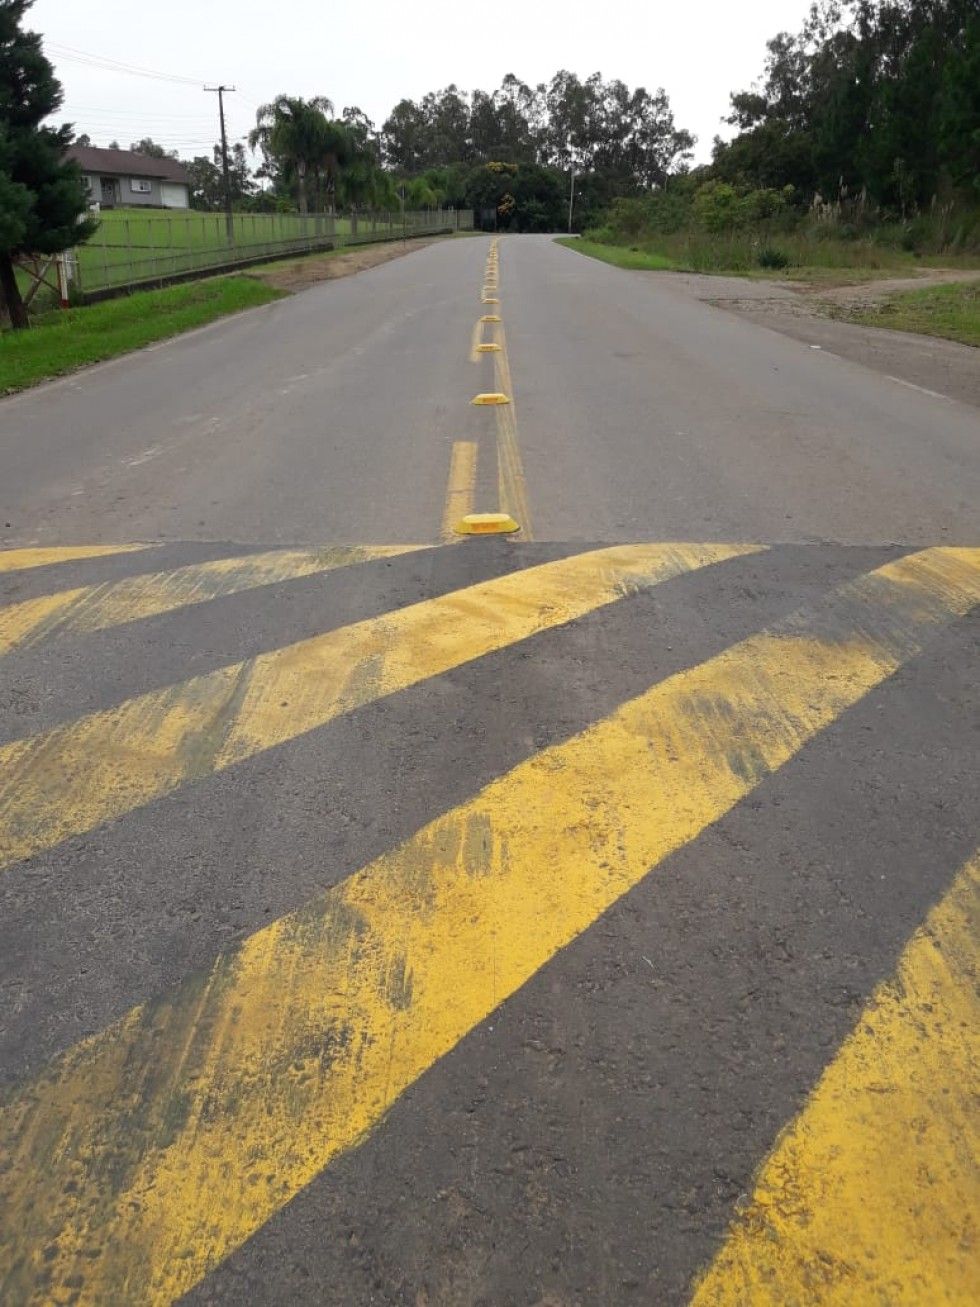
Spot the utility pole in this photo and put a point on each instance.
(571, 194)
(229, 220)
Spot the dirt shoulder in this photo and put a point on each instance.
(813, 314)
(299, 274)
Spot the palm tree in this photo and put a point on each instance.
(338, 150)
(297, 134)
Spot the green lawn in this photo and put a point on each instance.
(62, 341)
(619, 255)
(134, 245)
(951, 311)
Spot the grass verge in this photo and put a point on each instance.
(786, 256)
(619, 255)
(64, 340)
(951, 311)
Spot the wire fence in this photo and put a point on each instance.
(132, 248)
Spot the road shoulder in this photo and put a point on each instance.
(929, 363)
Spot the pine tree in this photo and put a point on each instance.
(41, 195)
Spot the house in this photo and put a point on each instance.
(120, 178)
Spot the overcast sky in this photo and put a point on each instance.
(374, 53)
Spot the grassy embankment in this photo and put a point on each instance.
(799, 258)
(62, 341)
(951, 311)
(619, 255)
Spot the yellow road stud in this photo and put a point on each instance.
(484, 524)
(490, 397)
(491, 317)
(489, 299)
(487, 347)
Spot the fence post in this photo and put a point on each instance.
(73, 272)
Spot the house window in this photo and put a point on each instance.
(139, 186)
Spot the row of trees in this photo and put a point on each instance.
(879, 98)
(436, 151)
(601, 127)
(872, 98)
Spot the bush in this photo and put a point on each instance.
(770, 258)
(718, 207)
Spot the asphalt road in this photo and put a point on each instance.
(642, 414)
(576, 917)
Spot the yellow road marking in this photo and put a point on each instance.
(872, 1194)
(145, 1155)
(95, 607)
(474, 342)
(13, 560)
(74, 777)
(461, 486)
(511, 484)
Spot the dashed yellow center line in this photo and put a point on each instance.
(512, 496)
(70, 779)
(475, 339)
(461, 487)
(871, 1195)
(96, 607)
(14, 560)
(145, 1155)
(511, 483)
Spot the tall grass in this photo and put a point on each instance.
(716, 228)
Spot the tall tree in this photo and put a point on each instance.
(41, 195)
(959, 115)
(296, 134)
(207, 181)
(873, 96)
(405, 137)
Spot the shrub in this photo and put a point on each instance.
(772, 258)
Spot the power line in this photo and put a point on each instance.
(99, 112)
(116, 65)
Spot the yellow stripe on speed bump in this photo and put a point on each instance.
(145, 1155)
(872, 1194)
(95, 607)
(71, 779)
(14, 560)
